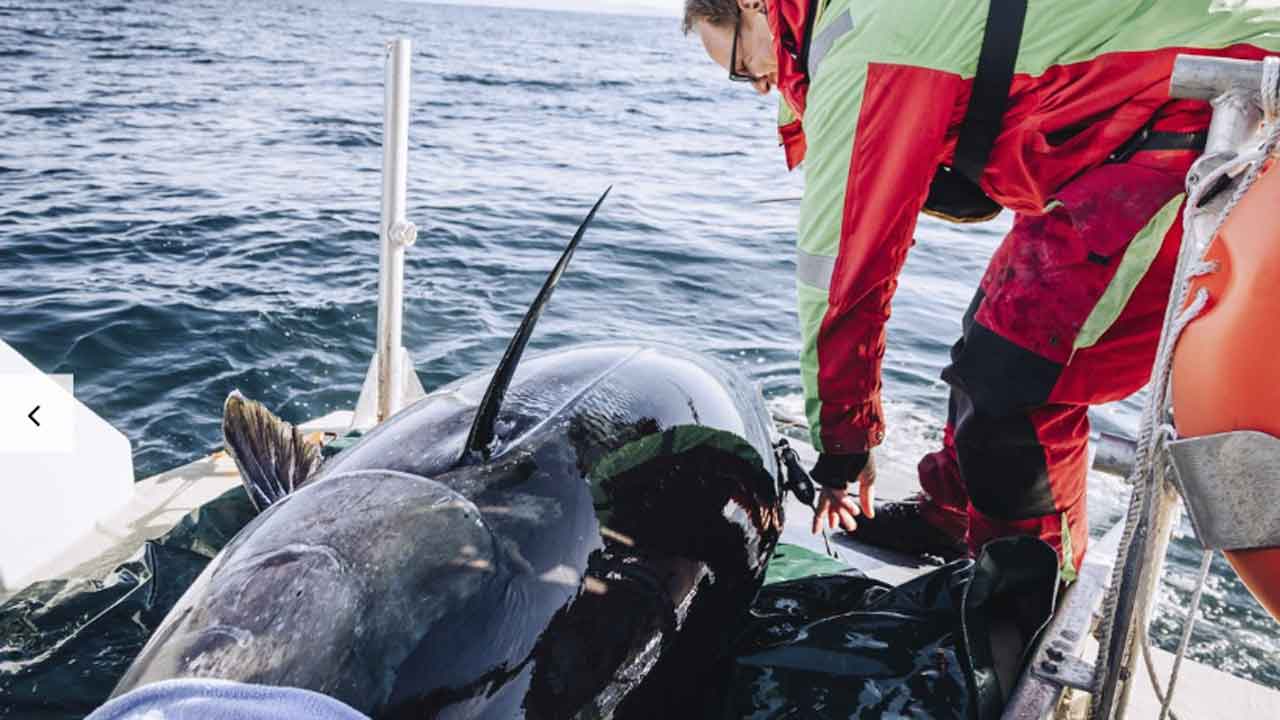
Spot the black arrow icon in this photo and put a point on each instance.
(32, 416)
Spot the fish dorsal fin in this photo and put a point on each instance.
(482, 432)
(273, 457)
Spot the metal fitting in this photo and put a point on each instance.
(404, 233)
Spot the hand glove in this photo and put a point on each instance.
(837, 471)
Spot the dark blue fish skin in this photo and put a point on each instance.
(589, 568)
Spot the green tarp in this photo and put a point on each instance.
(792, 562)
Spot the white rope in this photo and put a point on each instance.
(1152, 677)
(1150, 441)
(1186, 316)
(1270, 88)
(1205, 561)
(1204, 267)
(1155, 684)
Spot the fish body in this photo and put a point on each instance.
(587, 560)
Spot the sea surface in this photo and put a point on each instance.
(189, 202)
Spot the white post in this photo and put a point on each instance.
(396, 232)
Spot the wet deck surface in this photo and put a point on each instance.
(1203, 691)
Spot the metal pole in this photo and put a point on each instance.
(1113, 454)
(396, 233)
(1155, 552)
(1196, 77)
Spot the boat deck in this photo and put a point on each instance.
(161, 501)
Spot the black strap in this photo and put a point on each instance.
(985, 114)
(811, 19)
(1160, 140)
(1148, 139)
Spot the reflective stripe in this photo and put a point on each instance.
(814, 270)
(1138, 256)
(821, 44)
(812, 306)
(1067, 571)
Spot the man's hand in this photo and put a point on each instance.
(838, 506)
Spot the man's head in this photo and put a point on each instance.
(722, 22)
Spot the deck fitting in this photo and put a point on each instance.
(1068, 671)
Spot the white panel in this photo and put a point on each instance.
(58, 478)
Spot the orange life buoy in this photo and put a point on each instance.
(1226, 366)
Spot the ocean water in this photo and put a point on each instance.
(189, 204)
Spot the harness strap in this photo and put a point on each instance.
(984, 116)
(1148, 139)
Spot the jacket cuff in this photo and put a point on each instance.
(793, 143)
(837, 471)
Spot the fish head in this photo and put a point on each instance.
(330, 589)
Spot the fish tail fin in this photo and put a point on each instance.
(273, 458)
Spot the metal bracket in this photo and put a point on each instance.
(1114, 454)
(1065, 670)
(1056, 664)
(404, 233)
(1225, 480)
(410, 385)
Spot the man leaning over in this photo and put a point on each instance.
(1057, 111)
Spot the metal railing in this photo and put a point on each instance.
(1234, 88)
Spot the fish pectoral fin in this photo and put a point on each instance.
(273, 457)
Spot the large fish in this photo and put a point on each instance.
(573, 536)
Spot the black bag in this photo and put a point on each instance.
(949, 644)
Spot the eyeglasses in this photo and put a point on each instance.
(734, 75)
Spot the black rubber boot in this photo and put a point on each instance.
(901, 526)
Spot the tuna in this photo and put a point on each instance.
(572, 535)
